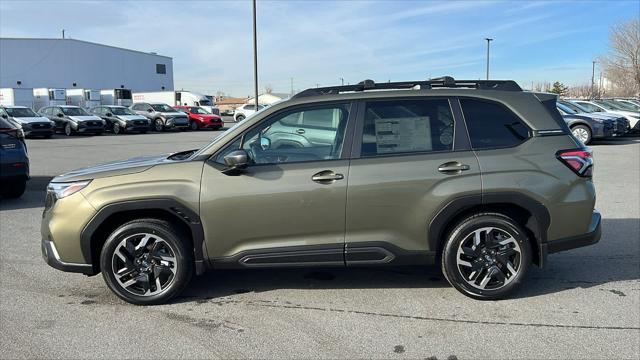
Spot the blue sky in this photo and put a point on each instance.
(319, 42)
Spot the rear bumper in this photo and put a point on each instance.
(589, 238)
(51, 257)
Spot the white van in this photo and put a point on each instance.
(177, 98)
(119, 97)
(84, 98)
(16, 97)
(48, 97)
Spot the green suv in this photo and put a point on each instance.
(477, 176)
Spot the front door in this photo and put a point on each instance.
(288, 206)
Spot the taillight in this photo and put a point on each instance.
(578, 160)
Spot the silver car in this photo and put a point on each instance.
(162, 116)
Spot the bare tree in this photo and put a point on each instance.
(622, 63)
(268, 89)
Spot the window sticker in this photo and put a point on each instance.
(403, 134)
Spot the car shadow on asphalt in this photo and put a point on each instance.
(33, 197)
(605, 263)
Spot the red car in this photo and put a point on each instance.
(200, 118)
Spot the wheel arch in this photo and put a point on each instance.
(528, 212)
(580, 122)
(111, 216)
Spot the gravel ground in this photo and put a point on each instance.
(585, 304)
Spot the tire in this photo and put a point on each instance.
(503, 261)
(116, 128)
(239, 118)
(143, 131)
(13, 189)
(582, 133)
(168, 254)
(67, 129)
(193, 125)
(48, 136)
(158, 125)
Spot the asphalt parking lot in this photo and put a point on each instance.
(585, 304)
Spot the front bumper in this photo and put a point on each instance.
(38, 129)
(51, 257)
(589, 238)
(90, 127)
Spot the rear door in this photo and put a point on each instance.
(410, 158)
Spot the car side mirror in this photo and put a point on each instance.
(4, 116)
(236, 161)
(149, 110)
(60, 115)
(108, 114)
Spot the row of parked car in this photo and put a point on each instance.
(604, 118)
(140, 117)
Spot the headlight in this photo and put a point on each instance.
(62, 190)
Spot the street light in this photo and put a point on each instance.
(489, 40)
(342, 81)
(255, 55)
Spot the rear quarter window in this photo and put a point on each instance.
(492, 125)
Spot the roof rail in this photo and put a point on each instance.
(441, 82)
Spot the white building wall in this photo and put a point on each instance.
(58, 63)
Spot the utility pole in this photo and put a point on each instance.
(593, 75)
(291, 86)
(255, 55)
(63, 33)
(342, 81)
(489, 40)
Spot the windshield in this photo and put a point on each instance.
(163, 108)
(566, 109)
(198, 110)
(575, 107)
(74, 111)
(21, 112)
(606, 105)
(121, 111)
(204, 102)
(626, 105)
(221, 135)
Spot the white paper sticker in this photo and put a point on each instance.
(403, 134)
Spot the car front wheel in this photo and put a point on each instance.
(67, 129)
(14, 188)
(158, 125)
(581, 133)
(193, 125)
(147, 262)
(116, 129)
(486, 256)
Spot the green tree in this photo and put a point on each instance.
(558, 88)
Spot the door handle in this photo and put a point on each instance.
(453, 167)
(300, 131)
(326, 177)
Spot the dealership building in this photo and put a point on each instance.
(71, 63)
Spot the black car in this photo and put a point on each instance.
(586, 126)
(121, 119)
(14, 162)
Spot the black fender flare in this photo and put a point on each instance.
(457, 206)
(186, 215)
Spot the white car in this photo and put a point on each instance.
(32, 124)
(245, 111)
(603, 106)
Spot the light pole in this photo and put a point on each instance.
(342, 81)
(255, 55)
(489, 40)
(593, 75)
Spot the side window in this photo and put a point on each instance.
(407, 126)
(135, 107)
(275, 141)
(249, 107)
(492, 125)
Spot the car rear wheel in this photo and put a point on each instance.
(240, 118)
(67, 129)
(14, 188)
(158, 125)
(193, 125)
(486, 256)
(582, 133)
(147, 262)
